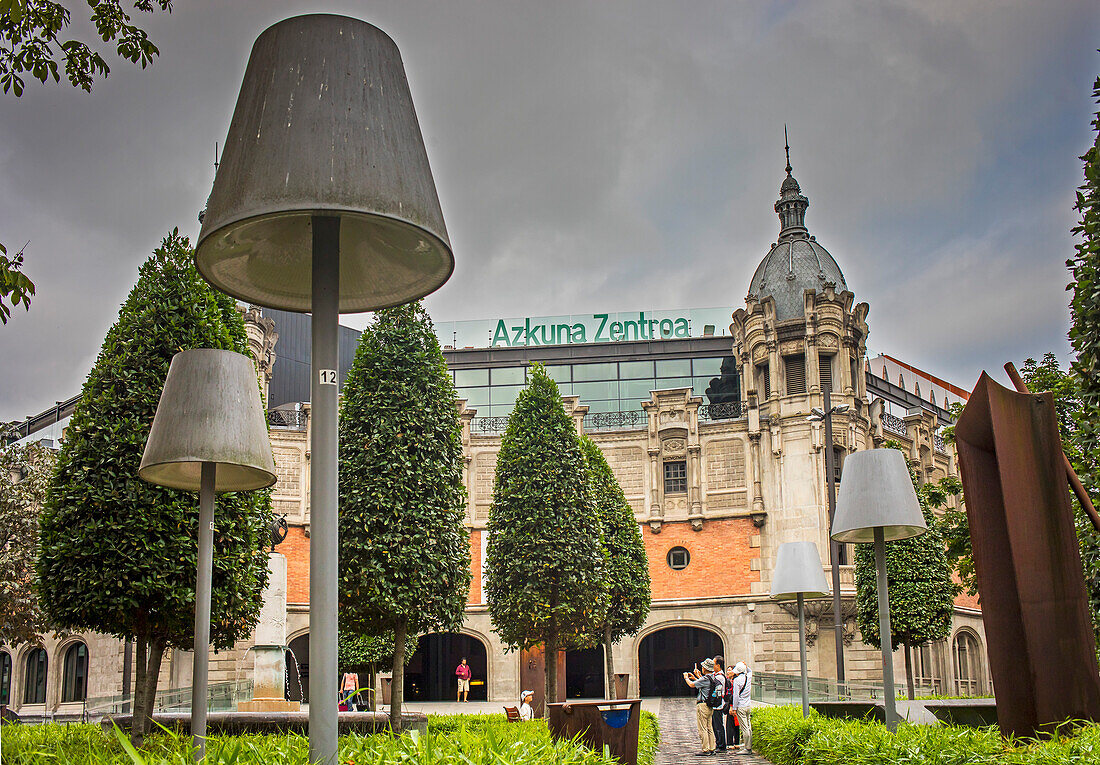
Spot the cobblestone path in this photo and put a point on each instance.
(680, 738)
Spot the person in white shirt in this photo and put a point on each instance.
(742, 686)
(525, 710)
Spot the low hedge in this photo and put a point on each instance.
(784, 737)
(472, 739)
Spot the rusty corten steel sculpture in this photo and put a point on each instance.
(1042, 653)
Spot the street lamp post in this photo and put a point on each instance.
(826, 415)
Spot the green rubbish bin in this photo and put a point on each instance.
(613, 724)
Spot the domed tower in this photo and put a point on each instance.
(800, 333)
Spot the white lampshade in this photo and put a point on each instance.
(798, 570)
(877, 492)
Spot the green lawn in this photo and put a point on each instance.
(472, 739)
(784, 737)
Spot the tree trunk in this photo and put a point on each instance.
(397, 685)
(152, 677)
(372, 697)
(909, 671)
(136, 735)
(551, 648)
(610, 659)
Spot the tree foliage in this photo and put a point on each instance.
(15, 287)
(628, 592)
(25, 474)
(118, 555)
(404, 547)
(918, 577)
(546, 577)
(31, 41)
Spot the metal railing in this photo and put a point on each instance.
(774, 688)
(288, 419)
(941, 445)
(628, 420)
(489, 424)
(727, 411)
(893, 423)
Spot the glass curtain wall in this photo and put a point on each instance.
(614, 386)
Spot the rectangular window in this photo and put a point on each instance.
(635, 370)
(595, 372)
(475, 397)
(504, 394)
(636, 390)
(676, 477)
(507, 376)
(826, 363)
(668, 383)
(560, 373)
(465, 378)
(708, 368)
(763, 381)
(796, 374)
(595, 391)
(674, 368)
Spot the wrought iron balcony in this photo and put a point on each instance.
(287, 419)
(634, 418)
(893, 423)
(727, 411)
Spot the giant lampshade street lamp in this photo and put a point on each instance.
(324, 202)
(878, 504)
(798, 575)
(208, 435)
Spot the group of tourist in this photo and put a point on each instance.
(722, 706)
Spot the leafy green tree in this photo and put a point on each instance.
(545, 578)
(1084, 334)
(918, 577)
(25, 474)
(404, 547)
(31, 41)
(15, 287)
(376, 653)
(118, 555)
(628, 592)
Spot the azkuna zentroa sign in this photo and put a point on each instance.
(572, 329)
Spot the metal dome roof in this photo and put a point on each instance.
(794, 265)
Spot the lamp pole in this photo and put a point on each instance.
(834, 546)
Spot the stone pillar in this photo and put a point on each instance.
(269, 646)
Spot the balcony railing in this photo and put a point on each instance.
(629, 420)
(287, 419)
(941, 445)
(893, 423)
(489, 424)
(727, 411)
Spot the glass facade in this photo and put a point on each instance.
(603, 386)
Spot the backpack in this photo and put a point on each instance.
(730, 692)
(715, 696)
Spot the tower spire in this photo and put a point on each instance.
(787, 148)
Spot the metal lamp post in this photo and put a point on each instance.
(208, 435)
(826, 415)
(324, 202)
(799, 575)
(878, 503)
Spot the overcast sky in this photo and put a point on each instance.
(607, 156)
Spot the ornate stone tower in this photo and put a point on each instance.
(800, 332)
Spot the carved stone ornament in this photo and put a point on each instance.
(759, 353)
(674, 447)
(819, 616)
(791, 348)
(671, 415)
(827, 341)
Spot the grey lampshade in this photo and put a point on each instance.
(876, 491)
(798, 570)
(209, 411)
(324, 125)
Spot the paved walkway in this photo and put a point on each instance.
(680, 738)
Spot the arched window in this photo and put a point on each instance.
(917, 389)
(5, 677)
(967, 658)
(901, 380)
(34, 685)
(932, 397)
(74, 681)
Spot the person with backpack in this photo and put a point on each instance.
(742, 685)
(718, 704)
(703, 683)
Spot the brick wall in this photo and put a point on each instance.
(475, 568)
(721, 557)
(296, 549)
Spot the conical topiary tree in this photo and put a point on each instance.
(404, 547)
(545, 578)
(117, 554)
(628, 593)
(918, 577)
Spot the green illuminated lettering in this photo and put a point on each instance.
(682, 328)
(616, 331)
(600, 336)
(666, 328)
(501, 334)
(518, 335)
(578, 334)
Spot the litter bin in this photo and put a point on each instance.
(387, 682)
(621, 681)
(600, 723)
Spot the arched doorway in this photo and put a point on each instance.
(297, 669)
(664, 656)
(584, 674)
(430, 675)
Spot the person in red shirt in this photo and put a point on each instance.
(463, 673)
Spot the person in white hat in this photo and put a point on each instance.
(525, 710)
(742, 685)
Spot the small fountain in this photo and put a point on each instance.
(269, 649)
